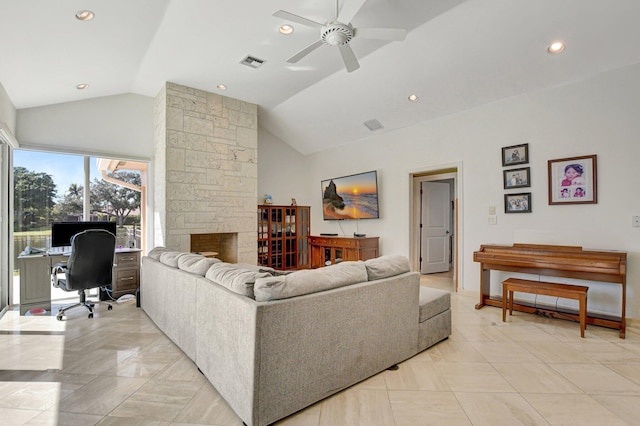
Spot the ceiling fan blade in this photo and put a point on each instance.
(349, 58)
(304, 52)
(299, 19)
(349, 10)
(394, 34)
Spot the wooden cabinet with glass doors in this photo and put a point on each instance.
(283, 233)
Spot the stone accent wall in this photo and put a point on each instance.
(205, 168)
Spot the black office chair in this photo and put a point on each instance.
(90, 265)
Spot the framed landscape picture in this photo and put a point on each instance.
(516, 154)
(517, 203)
(516, 178)
(573, 180)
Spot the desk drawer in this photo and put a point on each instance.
(125, 279)
(127, 259)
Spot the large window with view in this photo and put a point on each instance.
(53, 187)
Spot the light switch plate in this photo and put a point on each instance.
(492, 219)
(492, 210)
(635, 221)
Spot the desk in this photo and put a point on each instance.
(35, 277)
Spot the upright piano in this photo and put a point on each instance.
(557, 261)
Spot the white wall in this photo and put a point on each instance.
(120, 125)
(282, 160)
(7, 110)
(598, 116)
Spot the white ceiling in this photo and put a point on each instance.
(458, 54)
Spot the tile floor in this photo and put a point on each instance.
(118, 369)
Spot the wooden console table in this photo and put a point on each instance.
(557, 261)
(326, 250)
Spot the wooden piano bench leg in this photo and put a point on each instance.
(510, 302)
(583, 313)
(504, 302)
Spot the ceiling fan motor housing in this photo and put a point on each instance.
(336, 34)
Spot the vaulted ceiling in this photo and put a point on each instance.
(458, 54)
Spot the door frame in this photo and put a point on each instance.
(435, 173)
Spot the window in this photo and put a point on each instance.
(52, 187)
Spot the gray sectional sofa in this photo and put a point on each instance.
(272, 343)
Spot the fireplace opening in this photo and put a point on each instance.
(223, 243)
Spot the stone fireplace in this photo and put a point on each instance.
(205, 172)
(223, 243)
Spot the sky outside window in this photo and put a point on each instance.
(64, 168)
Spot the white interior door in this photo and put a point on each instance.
(436, 227)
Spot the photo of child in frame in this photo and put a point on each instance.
(573, 180)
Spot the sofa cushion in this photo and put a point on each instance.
(156, 252)
(310, 281)
(237, 279)
(433, 301)
(386, 266)
(196, 263)
(170, 258)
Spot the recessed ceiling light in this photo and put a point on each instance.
(556, 47)
(85, 15)
(286, 29)
(82, 86)
(413, 98)
(221, 87)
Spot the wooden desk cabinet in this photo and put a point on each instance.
(126, 272)
(330, 250)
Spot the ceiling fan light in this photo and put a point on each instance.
(336, 34)
(556, 47)
(85, 15)
(286, 29)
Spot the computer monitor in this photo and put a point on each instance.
(62, 232)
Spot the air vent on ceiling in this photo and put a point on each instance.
(373, 125)
(252, 61)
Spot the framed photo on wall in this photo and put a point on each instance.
(516, 178)
(515, 154)
(517, 203)
(573, 180)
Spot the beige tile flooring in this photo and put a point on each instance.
(118, 369)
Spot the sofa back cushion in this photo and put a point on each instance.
(309, 281)
(386, 266)
(170, 258)
(196, 263)
(235, 278)
(156, 252)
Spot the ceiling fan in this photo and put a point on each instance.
(339, 32)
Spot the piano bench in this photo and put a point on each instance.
(567, 291)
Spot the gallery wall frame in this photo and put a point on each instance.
(515, 154)
(573, 180)
(516, 178)
(517, 203)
